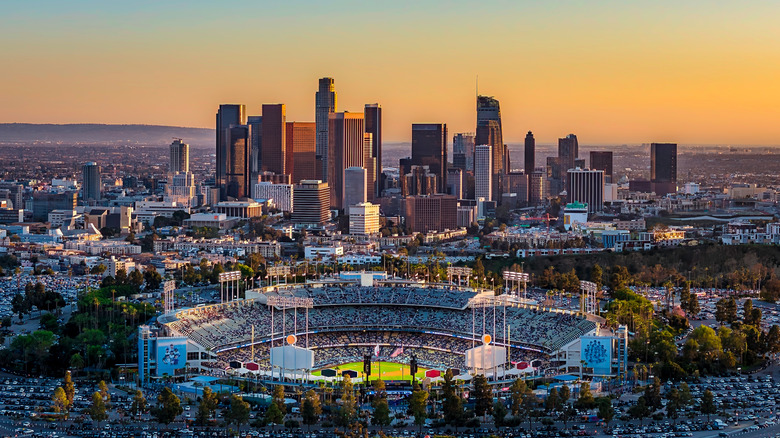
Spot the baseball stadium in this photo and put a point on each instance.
(342, 323)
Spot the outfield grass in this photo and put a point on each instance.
(390, 370)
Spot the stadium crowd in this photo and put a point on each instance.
(350, 321)
(330, 349)
(411, 296)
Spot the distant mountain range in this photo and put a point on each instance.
(97, 133)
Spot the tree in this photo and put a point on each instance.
(136, 279)
(139, 403)
(273, 415)
(516, 393)
(482, 395)
(418, 404)
(586, 400)
(381, 416)
(673, 404)
(70, 390)
(564, 394)
(597, 276)
(693, 305)
(499, 413)
(640, 410)
(311, 409)
(206, 407)
(278, 399)
(708, 404)
(103, 388)
(76, 362)
(771, 290)
(59, 401)
(121, 277)
(153, 278)
(606, 412)
(772, 340)
(168, 407)
(685, 395)
(553, 400)
(238, 411)
(98, 269)
(653, 394)
(726, 310)
(618, 278)
(98, 409)
(452, 404)
(346, 413)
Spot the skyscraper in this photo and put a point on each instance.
(325, 103)
(347, 147)
(90, 190)
(568, 151)
(227, 116)
(255, 124)
(373, 124)
(311, 202)
(483, 172)
(437, 212)
(429, 148)
(602, 160)
(455, 182)
(586, 186)
(238, 178)
(301, 140)
(663, 167)
(355, 186)
(180, 157)
(490, 132)
(463, 151)
(273, 147)
(530, 153)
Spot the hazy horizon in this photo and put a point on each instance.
(612, 72)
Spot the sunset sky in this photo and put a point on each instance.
(609, 71)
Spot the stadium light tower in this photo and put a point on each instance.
(277, 271)
(588, 291)
(453, 271)
(168, 288)
(514, 278)
(228, 286)
(289, 302)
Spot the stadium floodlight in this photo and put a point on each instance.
(289, 302)
(588, 290)
(278, 271)
(168, 288)
(515, 278)
(456, 271)
(228, 285)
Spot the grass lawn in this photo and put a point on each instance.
(390, 370)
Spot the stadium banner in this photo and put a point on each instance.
(596, 351)
(171, 355)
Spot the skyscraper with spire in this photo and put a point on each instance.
(489, 132)
(325, 103)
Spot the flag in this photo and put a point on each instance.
(397, 352)
(376, 350)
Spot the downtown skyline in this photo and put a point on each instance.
(697, 73)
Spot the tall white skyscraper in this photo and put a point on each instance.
(180, 157)
(483, 172)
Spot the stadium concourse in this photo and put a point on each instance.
(346, 322)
